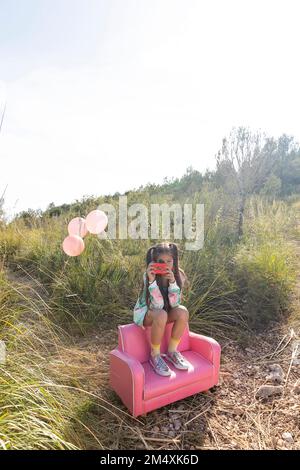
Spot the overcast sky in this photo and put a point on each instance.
(105, 95)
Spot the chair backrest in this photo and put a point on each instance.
(135, 341)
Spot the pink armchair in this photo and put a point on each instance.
(143, 390)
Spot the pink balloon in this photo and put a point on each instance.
(96, 221)
(73, 245)
(77, 226)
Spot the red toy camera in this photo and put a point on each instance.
(160, 268)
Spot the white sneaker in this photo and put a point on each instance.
(178, 360)
(159, 365)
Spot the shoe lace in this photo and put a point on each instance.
(179, 356)
(161, 363)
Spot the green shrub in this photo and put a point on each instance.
(265, 275)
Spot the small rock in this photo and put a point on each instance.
(287, 436)
(140, 446)
(266, 391)
(296, 362)
(172, 433)
(280, 443)
(276, 374)
(276, 378)
(249, 350)
(181, 408)
(276, 368)
(165, 429)
(156, 429)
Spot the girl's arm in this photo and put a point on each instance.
(156, 298)
(174, 294)
(141, 307)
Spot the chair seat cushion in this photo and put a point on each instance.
(155, 385)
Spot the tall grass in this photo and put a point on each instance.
(228, 276)
(265, 275)
(44, 391)
(265, 265)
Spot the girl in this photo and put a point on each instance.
(159, 303)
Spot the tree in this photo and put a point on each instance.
(244, 163)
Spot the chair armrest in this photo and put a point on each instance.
(206, 346)
(127, 377)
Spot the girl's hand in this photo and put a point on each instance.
(170, 275)
(150, 272)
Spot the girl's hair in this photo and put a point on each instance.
(153, 254)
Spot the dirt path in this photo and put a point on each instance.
(228, 417)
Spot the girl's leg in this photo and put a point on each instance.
(180, 316)
(157, 319)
